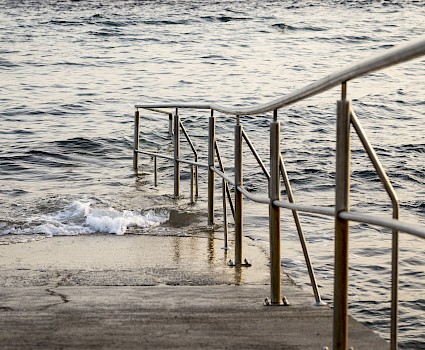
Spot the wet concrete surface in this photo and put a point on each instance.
(147, 292)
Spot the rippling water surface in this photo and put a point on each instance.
(71, 72)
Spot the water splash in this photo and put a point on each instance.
(80, 218)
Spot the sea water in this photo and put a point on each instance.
(71, 72)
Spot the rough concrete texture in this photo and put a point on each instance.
(142, 292)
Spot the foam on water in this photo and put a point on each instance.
(80, 218)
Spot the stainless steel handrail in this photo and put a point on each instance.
(415, 230)
(256, 155)
(180, 160)
(341, 212)
(254, 198)
(301, 236)
(262, 200)
(223, 176)
(225, 184)
(306, 208)
(396, 212)
(195, 153)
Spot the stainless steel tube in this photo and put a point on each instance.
(300, 234)
(196, 179)
(238, 194)
(256, 155)
(274, 212)
(195, 153)
(136, 140)
(396, 209)
(192, 199)
(155, 171)
(342, 196)
(211, 157)
(176, 153)
(225, 223)
(220, 164)
(170, 124)
(394, 284)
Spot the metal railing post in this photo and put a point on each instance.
(225, 222)
(238, 194)
(220, 163)
(155, 171)
(394, 282)
(136, 140)
(192, 146)
(342, 197)
(196, 179)
(303, 242)
(211, 157)
(192, 199)
(396, 213)
(170, 124)
(176, 153)
(274, 212)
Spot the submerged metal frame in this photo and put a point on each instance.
(341, 212)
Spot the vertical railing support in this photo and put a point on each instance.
(238, 194)
(192, 197)
(176, 153)
(342, 199)
(396, 213)
(274, 212)
(170, 124)
(155, 171)
(196, 179)
(225, 222)
(303, 242)
(136, 140)
(211, 157)
(394, 280)
(220, 163)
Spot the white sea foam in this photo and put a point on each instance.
(113, 221)
(80, 218)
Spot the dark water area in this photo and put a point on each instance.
(71, 72)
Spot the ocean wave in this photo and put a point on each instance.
(12, 165)
(284, 27)
(80, 218)
(418, 205)
(6, 64)
(166, 22)
(13, 192)
(410, 147)
(106, 32)
(106, 147)
(63, 22)
(224, 18)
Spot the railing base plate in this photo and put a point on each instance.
(283, 302)
(246, 263)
